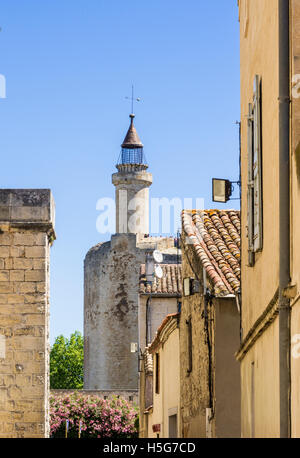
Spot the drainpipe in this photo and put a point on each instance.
(284, 217)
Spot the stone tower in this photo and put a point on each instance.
(132, 186)
(114, 311)
(111, 278)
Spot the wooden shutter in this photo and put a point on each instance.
(257, 167)
(250, 202)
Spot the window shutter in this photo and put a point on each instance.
(250, 202)
(257, 167)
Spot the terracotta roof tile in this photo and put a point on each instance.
(215, 235)
(169, 284)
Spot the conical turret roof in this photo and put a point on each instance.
(132, 140)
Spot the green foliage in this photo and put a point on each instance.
(66, 362)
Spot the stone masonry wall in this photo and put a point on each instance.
(111, 279)
(194, 392)
(26, 231)
(129, 395)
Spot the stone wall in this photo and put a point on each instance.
(194, 391)
(160, 307)
(111, 282)
(130, 395)
(26, 232)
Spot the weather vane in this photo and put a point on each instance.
(133, 99)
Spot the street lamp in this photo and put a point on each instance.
(222, 189)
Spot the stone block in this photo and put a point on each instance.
(33, 392)
(26, 426)
(15, 299)
(22, 263)
(8, 263)
(7, 380)
(3, 298)
(14, 392)
(5, 238)
(17, 251)
(39, 264)
(23, 380)
(23, 238)
(30, 416)
(4, 275)
(35, 252)
(34, 275)
(23, 355)
(34, 298)
(41, 287)
(24, 331)
(40, 238)
(8, 428)
(24, 405)
(4, 251)
(38, 379)
(17, 415)
(28, 287)
(35, 319)
(39, 355)
(16, 275)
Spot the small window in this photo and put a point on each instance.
(130, 398)
(157, 373)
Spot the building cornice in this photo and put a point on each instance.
(261, 324)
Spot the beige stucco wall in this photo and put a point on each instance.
(259, 55)
(167, 401)
(295, 143)
(260, 386)
(227, 369)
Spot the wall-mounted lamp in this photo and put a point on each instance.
(222, 189)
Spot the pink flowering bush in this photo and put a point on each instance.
(115, 418)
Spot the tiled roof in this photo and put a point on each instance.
(132, 139)
(170, 284)
(215, 236)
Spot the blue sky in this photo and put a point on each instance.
(68, 67)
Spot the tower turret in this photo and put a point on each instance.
(132, 183)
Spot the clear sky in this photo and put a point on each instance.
(68, 67)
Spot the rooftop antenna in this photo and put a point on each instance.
(132, 98)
